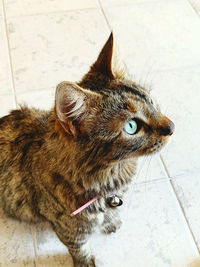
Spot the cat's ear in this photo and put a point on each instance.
(72, 105)
(108, 61)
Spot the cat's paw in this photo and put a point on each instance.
(109, 228)
(89, 263)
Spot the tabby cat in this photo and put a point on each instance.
(53, 162)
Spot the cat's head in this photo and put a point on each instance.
(112, 117)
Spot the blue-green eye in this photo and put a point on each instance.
(130, 127)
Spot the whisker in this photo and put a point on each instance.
(147, 172)
(149, 72)
(132, 186)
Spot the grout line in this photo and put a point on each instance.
(160, 180)
(34, 245)
(193, 5)
(179, 202)
(163, 179)
(15, 104)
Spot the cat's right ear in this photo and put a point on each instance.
(72, 105)
(108, 61)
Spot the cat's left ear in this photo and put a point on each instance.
(108, 61)
(73, 105)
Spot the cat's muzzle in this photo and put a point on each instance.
(114, 201)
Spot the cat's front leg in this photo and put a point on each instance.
(79, 248)
(82, 256)
(111, 222)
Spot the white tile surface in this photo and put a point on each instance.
(171, 42)
(188, 188)
(109, 3)
(42, 99)
(17, 8)
(6, 104)
(16, 246)
(42, 59)
(154, 234)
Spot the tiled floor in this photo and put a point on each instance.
(45, 42)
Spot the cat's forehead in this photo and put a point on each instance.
(130, 87)
(132, 97)
(132, 93)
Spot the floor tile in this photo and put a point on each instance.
(6, 104)
(16, 8)
(187, 189)
(5, 85)
(109, 3)
(51, 58)
(41, 99)
(16, 244)
(50, 251)
(154, 37)
(179, 95)
(154, 232)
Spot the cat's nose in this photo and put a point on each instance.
(167, 127)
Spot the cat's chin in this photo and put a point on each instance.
(156, 147)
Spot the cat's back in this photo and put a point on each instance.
(22, 135)
(19, 128)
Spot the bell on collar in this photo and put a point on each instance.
(114, 201)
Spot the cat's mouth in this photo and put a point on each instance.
(157, 146)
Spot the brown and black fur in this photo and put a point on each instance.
(51, 163)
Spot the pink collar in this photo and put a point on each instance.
(84, 206)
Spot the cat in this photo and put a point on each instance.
(53, 162)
